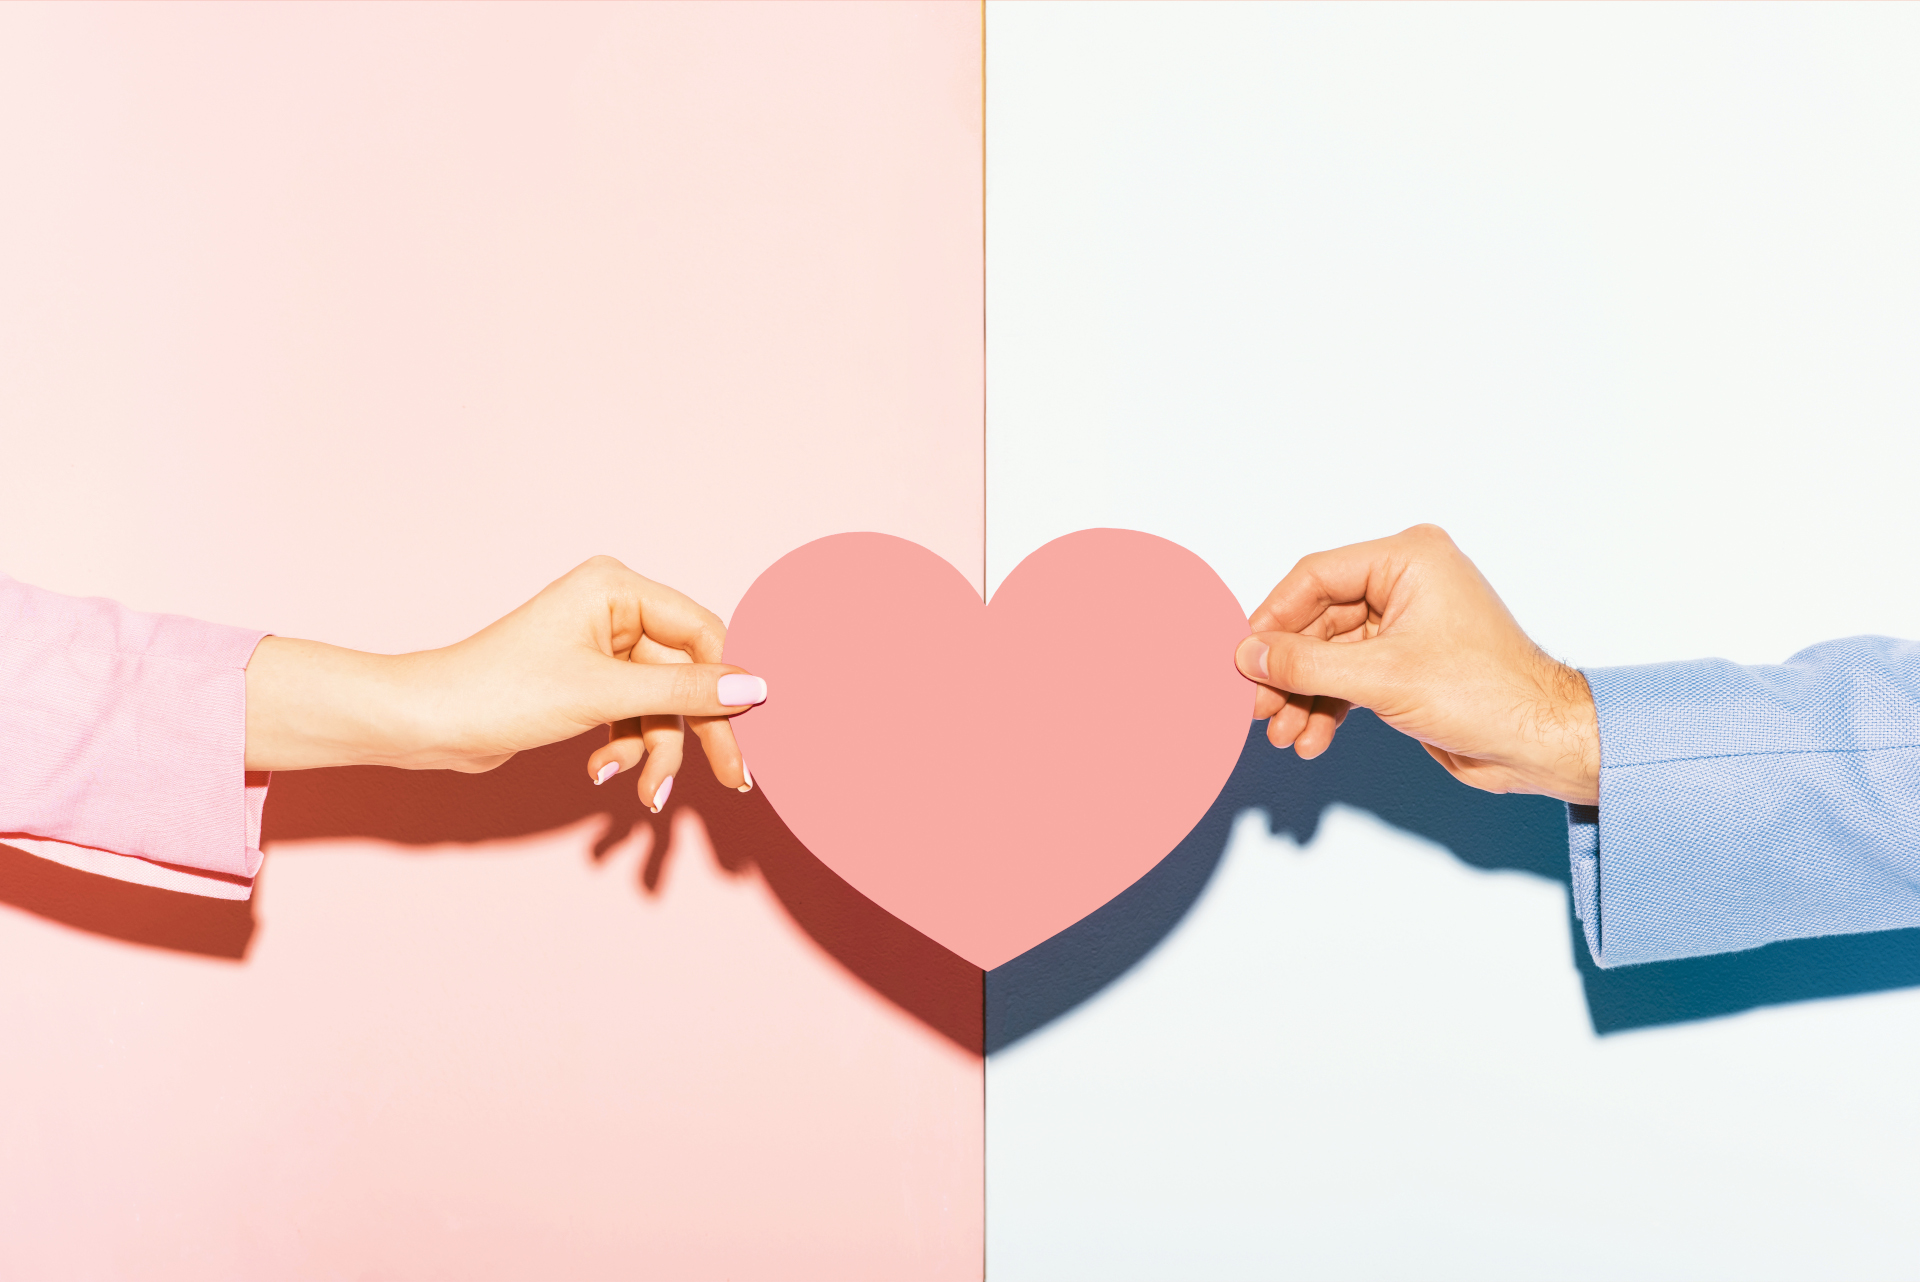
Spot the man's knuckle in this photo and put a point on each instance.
(1290, 666)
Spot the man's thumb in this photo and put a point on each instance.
(1349, 670)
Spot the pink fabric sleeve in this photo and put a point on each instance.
(123, 742)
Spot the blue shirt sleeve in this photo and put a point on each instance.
(1743, 805)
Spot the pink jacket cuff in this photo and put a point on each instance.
(123, 742)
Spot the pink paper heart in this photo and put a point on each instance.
(990, 775)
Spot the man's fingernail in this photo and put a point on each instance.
(747, 775)
(1257, 659)
(607, 772)
(738, 690)
(661, 793)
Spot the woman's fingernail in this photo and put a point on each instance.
(1257, 659)
(661, 793)
(747, 775)
(607, 772)
(738, 690)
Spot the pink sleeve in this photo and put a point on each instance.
(123, 742)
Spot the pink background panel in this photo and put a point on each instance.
(391, 313)
(363, 323)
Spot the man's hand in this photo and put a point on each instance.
(599, 646)
(1407, 626)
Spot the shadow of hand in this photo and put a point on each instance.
(1374, 768)
(547, 789)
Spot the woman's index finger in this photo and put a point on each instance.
(675, 619)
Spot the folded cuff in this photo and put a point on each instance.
(123, 737)
(1740, 806)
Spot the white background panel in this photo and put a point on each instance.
(1627, 298)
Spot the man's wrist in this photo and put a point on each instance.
(1576, 775)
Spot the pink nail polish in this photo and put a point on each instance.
(747, 775)
(661, 793)
(738, 690)
(607, 772)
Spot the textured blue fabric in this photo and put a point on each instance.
(1739, 806)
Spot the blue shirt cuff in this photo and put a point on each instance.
(1583, 859)
(1744, 805)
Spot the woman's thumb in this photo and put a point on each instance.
(690, 689)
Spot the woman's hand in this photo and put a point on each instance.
(1408, 627)
(600, 646)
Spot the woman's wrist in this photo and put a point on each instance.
(310, 705)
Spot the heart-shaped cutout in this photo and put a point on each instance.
(991, 775)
